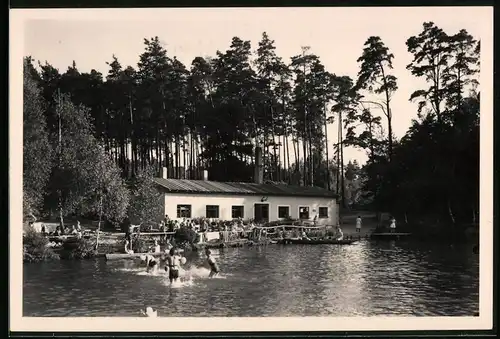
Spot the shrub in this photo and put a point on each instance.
(79, 249)
(35, 247)
(185, 237)
(140, 245)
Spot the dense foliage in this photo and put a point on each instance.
(186, 238)
(146, 203)
(213, 113)
(35, 247)
(81, 249)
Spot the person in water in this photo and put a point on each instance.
(150, 261)
(173, 265)
(214, 268)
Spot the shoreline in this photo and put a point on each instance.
(111, 242)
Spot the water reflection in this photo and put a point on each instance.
(386, 278)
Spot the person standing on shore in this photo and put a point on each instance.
(339, 235)
(358, 224)
(128, 237)
(393, 225)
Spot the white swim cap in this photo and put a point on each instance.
(142, 257)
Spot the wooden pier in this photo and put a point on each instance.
(389, 235)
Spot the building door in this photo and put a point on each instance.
(261, 212)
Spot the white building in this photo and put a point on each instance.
(258, 201)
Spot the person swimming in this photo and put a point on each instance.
(150, 261)
(214, 268)
(173, 265)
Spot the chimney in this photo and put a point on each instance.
(205, 175)
(259, 168)
(164, 173)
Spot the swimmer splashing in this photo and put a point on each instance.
(174, 261)
(214, 268)
(150, 261)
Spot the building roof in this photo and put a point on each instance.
(241, 188)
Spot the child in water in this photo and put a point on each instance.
(150, 261)
(214, 268)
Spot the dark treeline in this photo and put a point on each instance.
(212, 114)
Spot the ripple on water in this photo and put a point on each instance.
(366, 279)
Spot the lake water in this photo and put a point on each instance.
(364, 279)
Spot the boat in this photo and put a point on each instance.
(316, 241)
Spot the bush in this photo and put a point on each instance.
(185, 237)
(79, 249)
(35, 247)
(140, 245)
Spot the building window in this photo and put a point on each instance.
(183, 211)
(237, 212)
(323, 212)
(212, 211)
(303, 212)
(283, 212)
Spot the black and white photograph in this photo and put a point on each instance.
(290, 168)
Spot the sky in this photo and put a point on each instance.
(335, 34)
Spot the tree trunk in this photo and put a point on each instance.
(304, 148)
(450, 212)
(311, 158)
(326, 150)
(341, 162)
(61, 218)
(388, 111)
(133, 142)
(99, 224)
(273, 134)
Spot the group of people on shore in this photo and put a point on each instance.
(392, 225)
(75, 230)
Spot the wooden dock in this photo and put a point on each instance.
(125, 256)
(389, 235)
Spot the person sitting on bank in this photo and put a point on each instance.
(303, 235)
(128, 235)
(127, 249)
(156, 247)
(392, 227)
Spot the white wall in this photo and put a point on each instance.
(198, 204)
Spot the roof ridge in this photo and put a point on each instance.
(238, 187)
